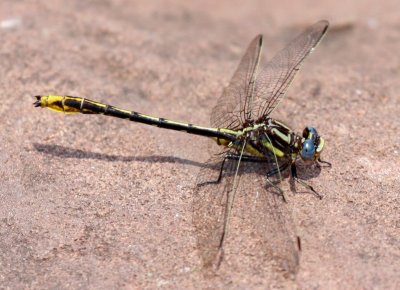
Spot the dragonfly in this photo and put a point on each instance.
(254, 150)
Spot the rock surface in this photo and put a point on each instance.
(101, 203)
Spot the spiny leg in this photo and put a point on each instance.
(220, 171)
(293, 171)
(247, 158)
(328, 164)
(276, 170)
(219, 175)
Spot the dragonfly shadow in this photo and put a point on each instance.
(306, 172)
(67, 152)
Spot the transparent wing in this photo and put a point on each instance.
(259, 211)
(210, 205)
(229, 111)
(255, 90)
(263, 212)
(275, 76)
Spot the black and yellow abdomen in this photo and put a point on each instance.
(72, 105)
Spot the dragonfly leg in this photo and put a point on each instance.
(231, 156)
(244, 158)
(274, 172)
(219, 176)
(293, 171)
(280, 191)
(247, 158)
(221, 170)
(328, 164)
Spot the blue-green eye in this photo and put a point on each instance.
(308, 150)
(313, 132)
(310, 133)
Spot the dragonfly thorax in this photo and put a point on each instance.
(273, 136)
(270, 136)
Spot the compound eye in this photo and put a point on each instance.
(308, 151)
(305, 132)
(310, 133)
(313, 131)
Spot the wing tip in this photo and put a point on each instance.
(324, 23)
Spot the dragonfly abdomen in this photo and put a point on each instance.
(72, 105)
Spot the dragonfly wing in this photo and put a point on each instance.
(230, 109)
(265, 212)
(210, 208)
(256, 209)
(274, 78)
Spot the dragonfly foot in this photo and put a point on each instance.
(328, 164)
(280, 192)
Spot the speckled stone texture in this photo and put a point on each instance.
(89, 202)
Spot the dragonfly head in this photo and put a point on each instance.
(311, 145)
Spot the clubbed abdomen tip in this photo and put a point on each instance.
(38, 102)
